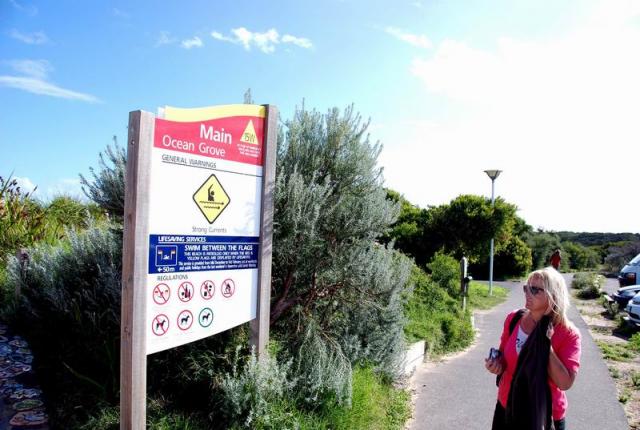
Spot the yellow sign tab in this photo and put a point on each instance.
(249, 135)
(211, 198)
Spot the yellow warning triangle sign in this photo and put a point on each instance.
(211, 198)
(249, 135)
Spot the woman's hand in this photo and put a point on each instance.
(495, 365)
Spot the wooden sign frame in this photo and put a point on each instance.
(133, 357)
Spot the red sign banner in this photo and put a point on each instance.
(236, 138)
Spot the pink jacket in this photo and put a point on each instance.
(566, 344)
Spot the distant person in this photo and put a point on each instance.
(555, 259)
(538, 358)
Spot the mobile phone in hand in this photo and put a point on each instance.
(494, 354)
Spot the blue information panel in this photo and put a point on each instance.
(185, 253)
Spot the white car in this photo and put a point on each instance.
(633, 309)
(630, 273)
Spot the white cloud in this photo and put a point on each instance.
(417, 40)
(25, 184)
(65, 187)
(33, 68)
(558, 115)
(37, 38)
(243, 36)
(165, 39)
(194, 42)
(299, 41)
(219, 36)
(34, 79)
(265, 42)
(40, 87)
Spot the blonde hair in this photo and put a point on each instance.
(556, 289)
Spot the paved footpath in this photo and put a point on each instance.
(460, 394)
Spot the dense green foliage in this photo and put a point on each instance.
(74, 287)
(435, 317)
(594, 239)
(22, 220)
(25, 221)
(580, 257)
(445, 271)
(542, 246)
(514, 259)
(463, 227)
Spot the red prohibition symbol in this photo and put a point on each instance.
(161, 294)
(185, 319)
(160, 325)
(207, 290)
(185, 291)
(228, 287)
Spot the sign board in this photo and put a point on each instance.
(198, 230)
(204, 220)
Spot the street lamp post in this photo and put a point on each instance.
(493, 174)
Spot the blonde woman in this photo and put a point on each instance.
(539, 357)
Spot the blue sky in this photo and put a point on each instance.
(545, 90)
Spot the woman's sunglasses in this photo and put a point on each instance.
(532, 290)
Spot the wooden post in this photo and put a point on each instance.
(260, 325)
(133, 357)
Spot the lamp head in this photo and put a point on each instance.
(493, 174)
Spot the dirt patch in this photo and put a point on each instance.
(612, 336)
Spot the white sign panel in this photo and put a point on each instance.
(204, 223)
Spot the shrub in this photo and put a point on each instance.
(588, 284)
(435, 317)
(445, 271)
(542, 246)
(580, 257)
(323, 369)
(376, 403)
(250, 392)
(514, 259)
(22, 219)
(74, 287)
(107, 186)
(328, 270)
(65, 212)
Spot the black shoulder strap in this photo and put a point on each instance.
(514, 320)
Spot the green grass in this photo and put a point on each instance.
(376, 405)
(634, 342)
(479, 296)
(615, 351)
